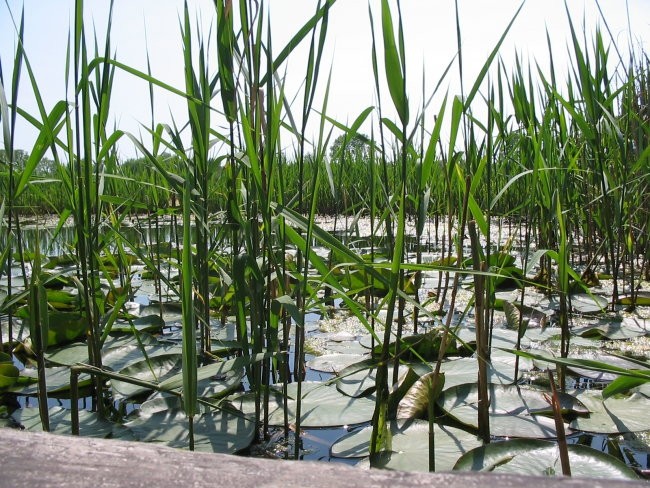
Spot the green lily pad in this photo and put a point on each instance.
(90, 424)
(76, 352)
(514, 411)
(322, 406)
(8, 375)
(155, 369)
(118, 358)
(425, 346)
(529, 317)
(641, 298)
(359, 379)
(465, 370)
(57, 380)
(216, 431)
(542, 458)
(588, 304)
(214, 386)
(606, 359)
(614, 415)
(333, 363)
(343, 347)
(148, 323)
(117, 352)
(409, 446)
(416, 401)
(627, 328)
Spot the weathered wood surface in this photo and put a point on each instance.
(44, 460)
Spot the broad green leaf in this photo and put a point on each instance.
(542, 458)
(612, 415)
(154, 369)
(217, 431)
(90, 424)
(333, 363)
(514, 411)
(416, 401)
(57, 380)
(148, 323)
(409, 446)
(8, 375)
(322, 406)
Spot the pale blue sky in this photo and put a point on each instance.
(430, 41)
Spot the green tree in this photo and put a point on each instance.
(356, 146)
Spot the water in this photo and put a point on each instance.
(315, 443)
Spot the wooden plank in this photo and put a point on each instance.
(29, 459)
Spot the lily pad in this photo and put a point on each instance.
(215, 386)
(461, 371)
(419, 396)
(155, 369)
(606, 359)
(333, 363)
(118, 358)
(627, 328)
(67, 355)
(588, 304)
(359, 379)
(322, 406)
(8, 375)
(149, 323)
(343, 347)
(90, 424)
(514, 411)
(614, 415)
(409, 446)
(57, 380)
(641, 298)
(216, 431)
(542, 458)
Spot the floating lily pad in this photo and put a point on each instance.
(542, 458)
(514, 411)
(641, 298)
(333, 363)
(155, 369)
(607, 359)
(342, 347)
(613, 415)
(359, 379)
(504, 338)
(8, 375)
(465, 370)
(90, 424)
(409, 450)
(588, 304)
(530, 317)
(148, 323)
(67, 355)
(216, 431)
(418, 398)
(627, 328)
(214, 386)
(322, 406)
(118, 358)
(57, 380)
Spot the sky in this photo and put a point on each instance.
(141, 26)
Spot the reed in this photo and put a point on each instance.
(566, 165)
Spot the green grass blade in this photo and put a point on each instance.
(394, 66)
